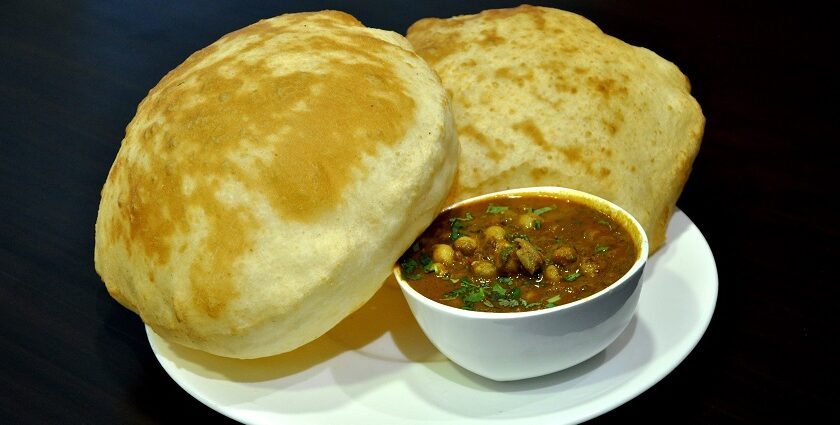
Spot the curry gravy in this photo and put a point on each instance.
(518, 254)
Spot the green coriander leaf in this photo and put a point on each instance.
(515, 292)
(601, 249)
(451, 295)
(456, 230)
(526, 305)
(514, 236)
(456, 223)
(571, 277)
(496, 209)
(505, 253)
(506, 280)
(543, 210)
(553, 299)
(488, 303)
(428, 265)
(474, 296)
(537, 224)
(605, 223)
(409, 265)
(467, 217)
(499, 290)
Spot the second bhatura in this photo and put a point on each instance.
(542, 97)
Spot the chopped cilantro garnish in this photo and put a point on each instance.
(553, 299)
(571, 277)
(408, 265)
(488, 303)
(475, 295)
(514, 236)
(537, 224)
(496, 209)
(467, 217)
(499, 290)
(605, 223)
(468, 292)
(456, 230)
(426, 261)
(601, 249)
(505, 253)
(456, 223)
(432, 268)
(543, 210)
(504, 279)
(514, 293)
(504, 302)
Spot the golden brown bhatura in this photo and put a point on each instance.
(267, 185)
(543, 97)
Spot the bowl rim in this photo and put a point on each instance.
(641, 260)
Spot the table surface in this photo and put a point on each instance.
(72, 74)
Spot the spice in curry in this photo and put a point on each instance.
(518, 254)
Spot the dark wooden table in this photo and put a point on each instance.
(72, 73)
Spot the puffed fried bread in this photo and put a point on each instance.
(542, 96)
(267, 185)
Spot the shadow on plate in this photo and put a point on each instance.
(366, 332)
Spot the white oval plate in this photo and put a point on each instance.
(377, 367)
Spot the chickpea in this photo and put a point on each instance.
(466, 245)
(551, 274)
(443, 253)
(494, 233)
(527, 221)
(484, 269)
(564, 255)
(502, 246)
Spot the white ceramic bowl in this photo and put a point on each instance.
(511, 346)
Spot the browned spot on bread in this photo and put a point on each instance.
(490, 38)
(538, 173)
(572, 153)
(519, 75)
(533, 132)
(492, 149)
(606, 87)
